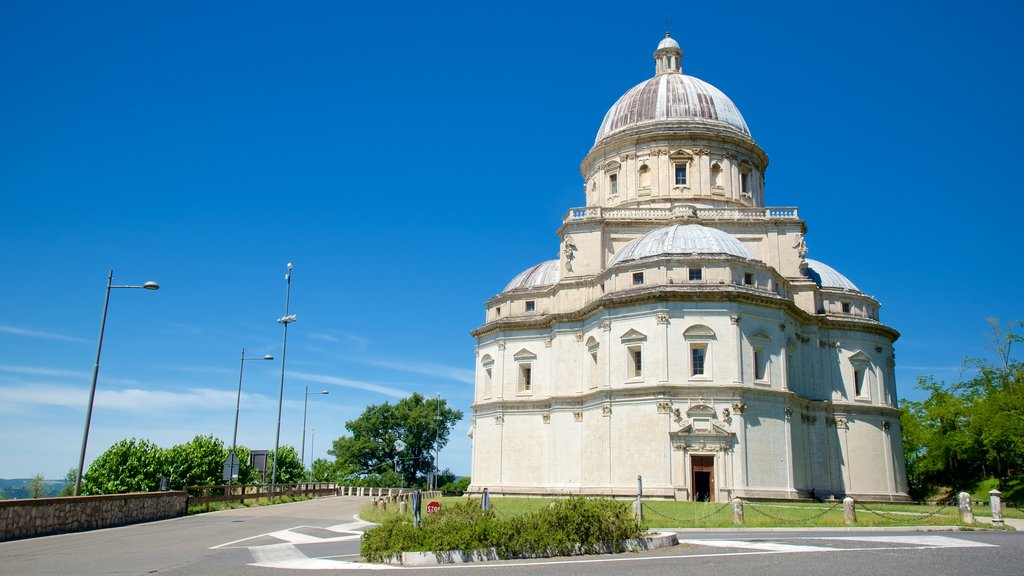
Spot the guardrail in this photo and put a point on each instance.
(198, 495)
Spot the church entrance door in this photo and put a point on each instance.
(703, 478)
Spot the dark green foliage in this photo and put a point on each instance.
(456, 487)
(401, 437)
(967, 431)
(571, 526)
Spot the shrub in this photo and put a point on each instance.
(572, 526)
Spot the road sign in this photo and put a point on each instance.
(231, 467)
(433, 506)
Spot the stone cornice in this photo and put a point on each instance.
(687, 293)
(681, 391)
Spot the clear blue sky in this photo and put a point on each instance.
(410, 158)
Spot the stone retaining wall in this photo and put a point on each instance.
(42, 516)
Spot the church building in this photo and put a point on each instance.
(682, 334)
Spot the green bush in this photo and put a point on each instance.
(571, 526)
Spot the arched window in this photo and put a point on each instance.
(487, 365)
(746, 182)
(698, 341)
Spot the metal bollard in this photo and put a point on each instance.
(966, 512)
(849, 511)
(995, 499)
(737, 511)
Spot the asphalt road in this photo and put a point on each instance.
(322, 535)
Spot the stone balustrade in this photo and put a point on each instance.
(746, 214)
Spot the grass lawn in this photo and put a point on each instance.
(670, 514)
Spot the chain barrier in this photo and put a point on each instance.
(747, 504)
(903, 516)
(647, 508)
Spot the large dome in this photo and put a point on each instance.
(681, 239)
(672, 98)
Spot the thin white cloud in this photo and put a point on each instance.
(931, 368)
(359, 385)
(132, 400)
(355, 340)
(34, 371)
(425, 368)
(39, 334)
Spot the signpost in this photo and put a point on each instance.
(231, 467)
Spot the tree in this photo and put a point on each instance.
(37, 487)
(323, 470)
(198, 462)
(127, 466)
(289, 467)
(970, 430)
(69, 482)
(402, 439)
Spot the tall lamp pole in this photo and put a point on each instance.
(233, 457)
(286, 320)
(96, 372)
(305, 404)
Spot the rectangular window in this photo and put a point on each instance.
(613, 182)
(531, 305)
(760, 365)
(748, 278)
(680, 174)
(593, 370)
(696, 274)
(487, 382)
(858, 381)
(525, 377)
(638, 278)
(698, 352)
(636, 365)
(846, 307)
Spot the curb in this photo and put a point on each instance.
(658, 540)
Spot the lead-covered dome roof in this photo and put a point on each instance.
(826, 276)
(542, 275)
(681, 239)
(672, 98)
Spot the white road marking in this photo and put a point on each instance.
(765, 546)
(929, 541)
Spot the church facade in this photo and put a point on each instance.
(682, 334)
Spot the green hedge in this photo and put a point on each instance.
(571, 526)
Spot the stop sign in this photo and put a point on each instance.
(433, 506)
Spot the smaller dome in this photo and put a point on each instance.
(682, 239)
(826, 276)
(668, 42)
(544, 274)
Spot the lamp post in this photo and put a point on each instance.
(285, 320)
(96, 371)
(233, 457)
(305, 405)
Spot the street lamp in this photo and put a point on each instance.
(233, 457)
(285, 320)
(305, 404)
(96, 372)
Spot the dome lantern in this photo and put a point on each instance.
(668, 57)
